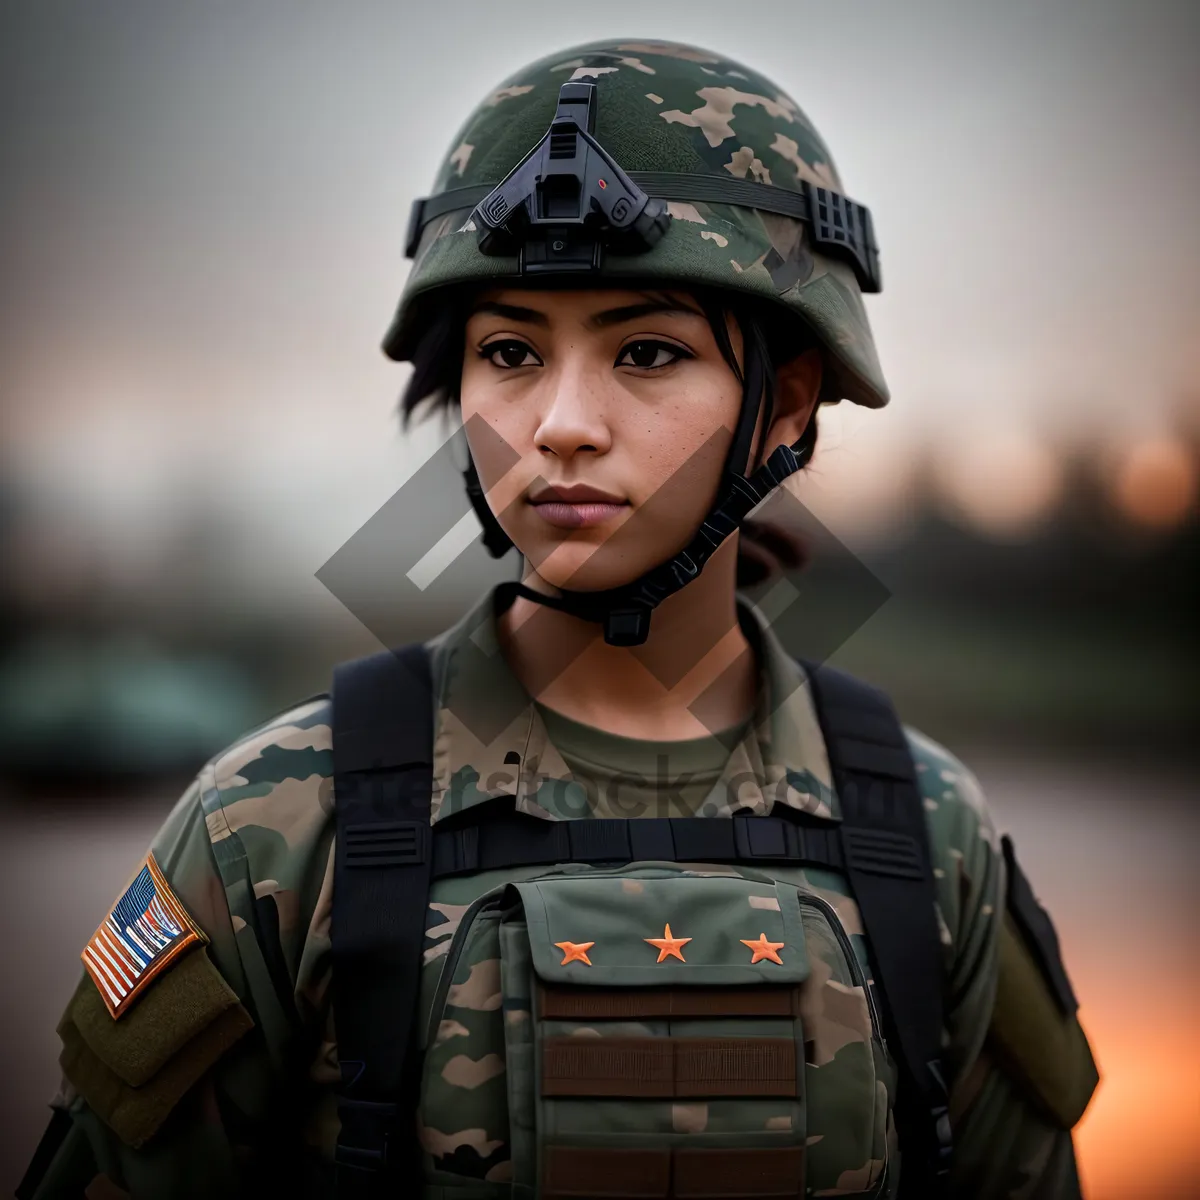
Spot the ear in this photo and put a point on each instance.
(797, 386)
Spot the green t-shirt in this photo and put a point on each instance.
(630, 777)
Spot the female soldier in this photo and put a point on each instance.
(599, 893)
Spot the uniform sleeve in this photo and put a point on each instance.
(162, 1103)
(1006, 1144)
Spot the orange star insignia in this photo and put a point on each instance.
(764, 949)
(668, 946)
(575, 952)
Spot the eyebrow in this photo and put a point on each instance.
(633, 312)
(602, 320)
(511, 312)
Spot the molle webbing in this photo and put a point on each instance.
(694, 1057)
(581, 1173)
(633, 1067)
(646, 1004)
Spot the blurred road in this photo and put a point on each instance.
(1109, 850)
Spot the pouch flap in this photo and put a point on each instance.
(179, 1004)
(1042, 1049)
(133, 1072)
(651, 928)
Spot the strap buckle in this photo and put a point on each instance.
(386, 844)
(883, 852)
(627, 627)
(366, 1142)
(767, 837)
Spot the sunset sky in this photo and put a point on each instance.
(1111, 856)
(205, 208)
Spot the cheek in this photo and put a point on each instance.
(682, 442)
(476, 398)
(495, 427)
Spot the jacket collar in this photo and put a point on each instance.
(490, 741)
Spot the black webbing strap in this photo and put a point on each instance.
(669, 185)
(837, 223)
(886, 848)
(512, 839)
(383, 782)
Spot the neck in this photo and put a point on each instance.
(694, 675)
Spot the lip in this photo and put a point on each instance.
(576, 505)
(576, 516)
(574, 493)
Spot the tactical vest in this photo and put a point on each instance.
(640, 1066)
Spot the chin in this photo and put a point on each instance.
(583, 568)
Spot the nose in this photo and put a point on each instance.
(574, 417)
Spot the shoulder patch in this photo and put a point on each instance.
(1041, 1048)
(144, 932)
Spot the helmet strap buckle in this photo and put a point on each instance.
(626, 626)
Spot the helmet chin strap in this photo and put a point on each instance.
(625, 611)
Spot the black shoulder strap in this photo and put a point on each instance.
(383, 782)
(885, 845)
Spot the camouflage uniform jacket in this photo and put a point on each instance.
(248, 851)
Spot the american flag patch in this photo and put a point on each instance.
(146, 929)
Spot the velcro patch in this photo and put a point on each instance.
(146, 930)
(1043, 1049)
(132, 1073)
(1041, 938)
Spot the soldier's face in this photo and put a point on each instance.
(599, 421)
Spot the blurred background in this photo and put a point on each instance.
(201, 242)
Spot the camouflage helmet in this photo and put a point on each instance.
(754, 201)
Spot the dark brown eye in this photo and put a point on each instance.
(509, 354)
(650, 356)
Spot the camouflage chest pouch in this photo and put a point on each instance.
(665, 1032)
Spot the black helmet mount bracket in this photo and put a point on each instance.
(567, 201)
